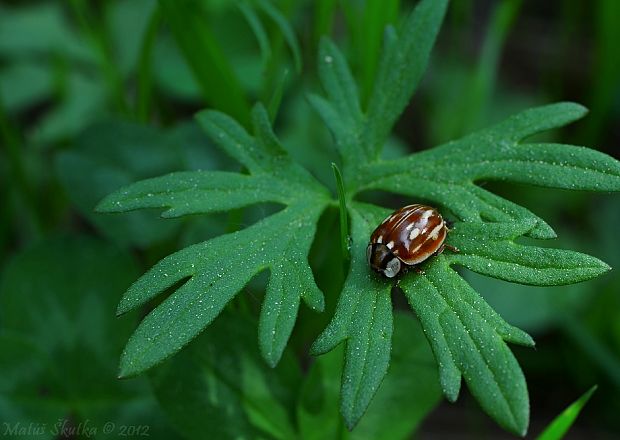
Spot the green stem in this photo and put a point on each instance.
(99, 42)
(483, 81)
(344, 222)
(143, 107)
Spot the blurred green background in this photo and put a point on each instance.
(97, 94)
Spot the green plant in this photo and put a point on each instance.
(467, 337)
(562, 423)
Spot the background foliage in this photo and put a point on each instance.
(96, 95)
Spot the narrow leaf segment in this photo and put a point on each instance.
(213, 272)
(562, 423)
(364, 320)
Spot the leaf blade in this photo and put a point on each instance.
(500, 257)
(343, 96)
(469, 337)
(364, 320)
(218, 270)
(195, 192)
(562, 423)
(400, 69)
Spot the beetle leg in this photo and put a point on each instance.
(418, 270)
(452, 248)
(440, 250)
(449, 224)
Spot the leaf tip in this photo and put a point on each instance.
(122, 308)
(577, 109)
(319, 347)
(350, 423)
(107, 205)
(269, 354)
(273, 362)
(124, 372)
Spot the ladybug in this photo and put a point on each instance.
(409, 236)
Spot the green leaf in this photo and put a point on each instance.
(562, 423)
(59, 339)
(401, 66)
(342, 113)
(219, 269)
(363, 319)
(195, 192)
(446, 174)
(467, 337)
(401, 403)
(410, 389)
(500, 257)
(253, 20)
(219, 387)
(285, 28)
(213, 272)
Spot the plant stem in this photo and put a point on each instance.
(99, 42)
(143, 107)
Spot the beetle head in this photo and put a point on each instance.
(381, 259)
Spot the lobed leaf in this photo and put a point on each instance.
(231, 137)
(408, 393)
(196, 192)
(536, 120)
(218, 269)
(549, 165)
(467, 201)
(400, 69)
(341, 112)
(467, 337)
(489, 249)
(211, 273)
(363, 319)
(446, 174)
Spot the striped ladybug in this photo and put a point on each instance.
(407, 237)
